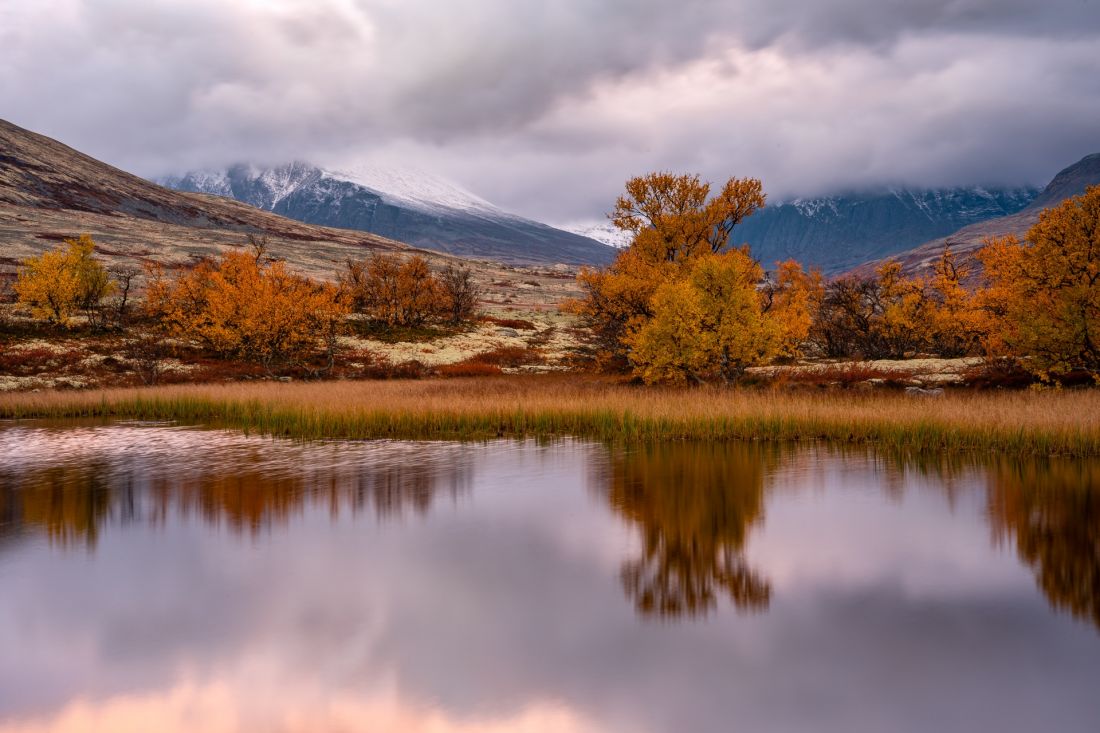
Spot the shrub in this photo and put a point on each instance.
(238, 306)
(61, 283)
(460, 292)
(396, 292)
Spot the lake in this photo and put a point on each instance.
(209, 580)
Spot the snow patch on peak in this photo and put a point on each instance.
(810, 208)
(601, 231)
(282, 181)
(412, 187)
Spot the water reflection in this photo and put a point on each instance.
(69, 483)
(1050, 510)
(180, 579)
(693, 505)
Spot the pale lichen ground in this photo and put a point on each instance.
(554, 337)
(919, 372)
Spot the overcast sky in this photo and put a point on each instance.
(546, 106)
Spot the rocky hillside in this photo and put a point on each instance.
(49, 191)
(406, 205)
(837, 233)
(1070, 182)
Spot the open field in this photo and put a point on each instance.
(1036, 423)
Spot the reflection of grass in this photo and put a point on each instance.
(1043, 423)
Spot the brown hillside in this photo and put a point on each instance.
(48, 191)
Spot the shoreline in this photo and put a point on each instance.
(1034, 423)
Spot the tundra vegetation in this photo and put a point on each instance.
(241, 308)
(681, 309)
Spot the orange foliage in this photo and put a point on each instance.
(1044, 296)
(707, 325)
(793, 298)
(238, 306)
(676, 227)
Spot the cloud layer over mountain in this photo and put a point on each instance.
(545, 108)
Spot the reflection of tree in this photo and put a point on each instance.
(71, 503)
(693, 504)
(68, 503)
(1052, 508)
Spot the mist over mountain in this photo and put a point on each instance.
(406, 205)
(1069, 182)
(839, 232)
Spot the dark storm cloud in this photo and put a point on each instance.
(517, 98)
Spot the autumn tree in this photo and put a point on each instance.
(884, 316)
(680, 217)
(240, 306)
(460, 293)
(1044, 294)
(708, 325)
(61, 283)
(674, 220)
(396, 291)
(957, 322)
(905, 320)
(793, 298)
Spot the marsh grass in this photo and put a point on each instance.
(1034, 423)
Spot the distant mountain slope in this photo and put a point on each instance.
(603, 231)
(836, 233)
(49, 191)
(406, 205)
(1069, 182)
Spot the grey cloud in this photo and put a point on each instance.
(516, 98)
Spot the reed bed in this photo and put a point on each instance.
(1033, 423)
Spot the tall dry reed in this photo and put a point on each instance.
(1040, 423)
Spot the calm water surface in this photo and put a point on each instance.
(177, 579)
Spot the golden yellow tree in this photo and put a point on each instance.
(709, 325)
(1044, 296)
(61, 283)
(905, 320)
(673, 220)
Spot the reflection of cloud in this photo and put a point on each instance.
(239, 705)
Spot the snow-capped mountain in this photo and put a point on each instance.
(407, 205)
(603, 231)
(837, 233)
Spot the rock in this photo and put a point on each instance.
(508, 332)
(922, 392)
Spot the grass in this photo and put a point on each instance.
(1031, 423)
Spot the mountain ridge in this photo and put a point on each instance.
(405, 205)
(841, 231)
(49, 192)
(1069, 182)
